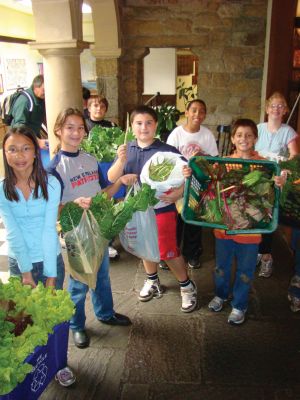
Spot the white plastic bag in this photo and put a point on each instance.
(85, 250)
(140, 237)
(174, 180)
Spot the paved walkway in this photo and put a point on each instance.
(168, 355)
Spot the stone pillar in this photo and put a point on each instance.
(131, 79)
(59, 40)
(107, 82)
(62, 76)
(107, 52)
(62, 79)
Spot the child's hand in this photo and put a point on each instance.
(83, 202)
(172, 195)
(128, 179)
(121, 152)
(50, 282)
(186, 171)
(280, 180)
(27, 279)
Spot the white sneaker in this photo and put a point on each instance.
(266, 268)
(189, 297)
(295, 303)
(112, 252)
(259, 256)
(216, 304)
(236, 317)
(151, 288)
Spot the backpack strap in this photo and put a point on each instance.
(29, 98)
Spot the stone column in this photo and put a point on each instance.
(59, 40)
(107, 81)
(62, 79)
(131, 79)
(107, 52)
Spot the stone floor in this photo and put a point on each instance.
(169, 355)
(166, 354)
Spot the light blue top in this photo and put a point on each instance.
(270, 145)
(31, 228)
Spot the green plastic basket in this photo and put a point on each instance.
(199, 181)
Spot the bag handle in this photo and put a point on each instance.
(135, 188)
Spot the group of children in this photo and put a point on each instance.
(30, 199)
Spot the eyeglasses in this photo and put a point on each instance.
(13, 151)
(274, 106)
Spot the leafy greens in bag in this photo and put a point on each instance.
(111, 217)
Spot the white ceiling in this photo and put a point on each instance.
(25, 6)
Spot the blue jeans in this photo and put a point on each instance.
(101, 297)
(37, 271)
(246, 256)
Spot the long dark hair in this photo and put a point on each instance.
(38, 176)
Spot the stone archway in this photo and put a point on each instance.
(228, 38)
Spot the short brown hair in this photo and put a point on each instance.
(142, 109)
(100, 99)
(245, 122)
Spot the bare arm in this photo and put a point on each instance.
(116, 170)
(293, 148)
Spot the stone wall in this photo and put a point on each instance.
(227, 36)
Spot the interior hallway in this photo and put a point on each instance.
(167, 354)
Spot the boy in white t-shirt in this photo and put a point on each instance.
(193, 139)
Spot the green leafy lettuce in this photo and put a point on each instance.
(42, 308)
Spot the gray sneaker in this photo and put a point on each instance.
(216, 304)
(65, 377)
(151, 288)
(236, 317)
(266, 268)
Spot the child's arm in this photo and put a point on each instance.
(127, 180)
(116, 170)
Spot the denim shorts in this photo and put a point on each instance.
(37, 271)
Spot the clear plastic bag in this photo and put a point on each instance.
(140, 237)
(85, 250)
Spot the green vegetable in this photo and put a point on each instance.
(70, 216)
(161, 171)
(103, 143)
(290, 193)
(252, 178)
(233, 195)
(44, 308)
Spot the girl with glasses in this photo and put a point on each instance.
(276, 141)
(29, 201)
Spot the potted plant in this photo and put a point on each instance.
(167, 115)
(33, 337)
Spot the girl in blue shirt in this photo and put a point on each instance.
(29, 200)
